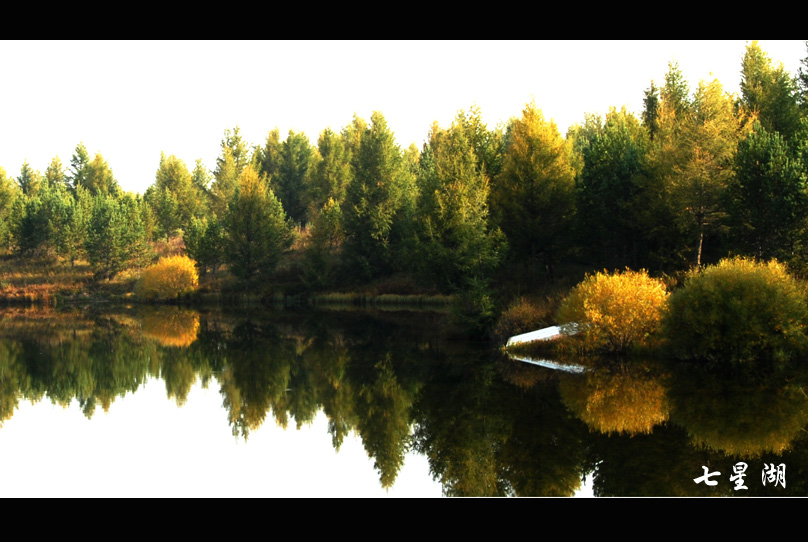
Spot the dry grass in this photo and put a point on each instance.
(40, 281)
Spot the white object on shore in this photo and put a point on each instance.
(545, 334)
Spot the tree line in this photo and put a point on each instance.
(698, 175)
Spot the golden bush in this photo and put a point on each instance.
(614, 312)
(171, 326)
(169, 278)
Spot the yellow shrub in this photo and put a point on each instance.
(168, 278)
(171, 326)
(615, 312)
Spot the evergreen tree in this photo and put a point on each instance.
(331, 172)
(268, 158)
(651, 109)
(106, 242)
(55, 174)
(29, 180)
(79, 164)
(229, 166)
(206, 243)
(607, 188)
(290, 184)
(456, 243)
(257, 229)
(802, 84)
(676, 92)
(30, 226)
(533, 197)
(769, 205)
(379, 201)
(69, 216)
(174, 196)
(98, 178)
(9, 190)
(769, 92)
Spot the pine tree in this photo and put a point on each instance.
(769, 206)
(533, 198)
(29, 180)
(456, 242)
(607, 188)
(257, 228)
(769, 93)
(379, 201)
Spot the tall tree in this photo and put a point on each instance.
(802, 84)
(769, 207)
(9, 190)
(79, 163)
(229, 166)
(55, 174)
(331, 173)
(533, 197)
(705, 154)
(107, 243)
(257, 228)
(769, 92)
(268, 158)
(290, 184)
(607, 188)
(174, 196)
(379, 200)
(29, 180)
(457, 245)
(98, 177)
(651, 109)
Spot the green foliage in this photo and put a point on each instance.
(533, 198)
(704, 150)
(290, 184)
(174, 196)
(229, 166)
(206, 243)
(29, 180)
(769, 203)
(378, 203)
(116, 235)
(614, 312)
(738, 311)
(606, 188)
(331, 173)
(98, 178)
(79, 164)
(456, 244)
(257, 229)
(30, 225)
(68, 220)
(9, 191)
(326, 234)
(55, 174)
(769, 92)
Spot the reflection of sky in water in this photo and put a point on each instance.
(146, 446)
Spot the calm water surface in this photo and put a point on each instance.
(179, 402)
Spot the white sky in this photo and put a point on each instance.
(130, 100)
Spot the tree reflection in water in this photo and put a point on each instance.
(487, 425)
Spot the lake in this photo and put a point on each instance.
(177, 402)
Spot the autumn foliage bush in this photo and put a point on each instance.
(169, 278)
(738, 310)
(614, 312)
